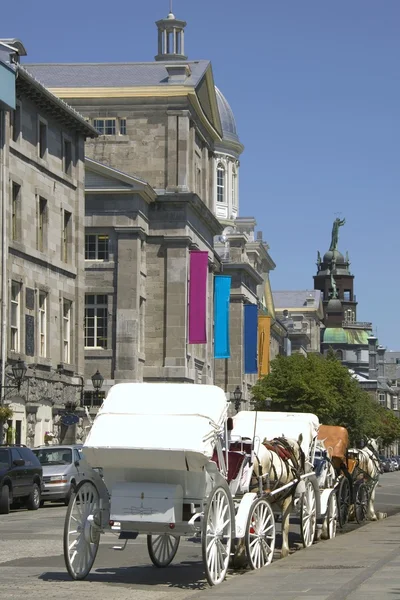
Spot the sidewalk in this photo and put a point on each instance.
(359, 565)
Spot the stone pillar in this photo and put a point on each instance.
(127, 301)
(172, 145)
(381, 361)
(372, 369)
(176, 299)
(183, 151)
(178, 151)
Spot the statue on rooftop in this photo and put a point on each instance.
(319, 260)
(335, 233)
(334, 287)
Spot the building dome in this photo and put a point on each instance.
(334, 306)
(328, 257)
(229, 131)
(335, 335)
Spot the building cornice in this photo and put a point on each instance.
(31, 88)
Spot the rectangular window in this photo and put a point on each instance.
(122, 126)
(42, 317)
(15, 210)
(67, 156)
(96, 246)
(220, 183)
(15, 317)
(106, 126)
(96, 320)
(66, 235)
(16, 123)
(42, 139)
(395, 403)
(67, 331)
(234, 189)
(347, 295)
(382, 399)
(42, 224)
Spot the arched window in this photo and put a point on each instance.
(234, 180)
(220, 183)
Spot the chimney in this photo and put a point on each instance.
(381, 361)
(310, 300)
(372, 370)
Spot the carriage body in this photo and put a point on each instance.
(154, 444)
(166, 471)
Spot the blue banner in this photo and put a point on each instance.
(222, 293)
(250, 338)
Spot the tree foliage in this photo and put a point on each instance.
(325, 387)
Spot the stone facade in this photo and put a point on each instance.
(302, 314)
(42, 266)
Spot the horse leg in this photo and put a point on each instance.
(371, 515)
(287, 506)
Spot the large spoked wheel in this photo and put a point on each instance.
(308, 515)
(81, 537)
(260, 534)
(162, 549)
(332, 515)
(216, 536)
(361, 503)
(343, 497)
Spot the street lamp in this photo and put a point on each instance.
(18, 370)
(97, 381)
(237, 395)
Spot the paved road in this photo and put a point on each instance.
(32, 566)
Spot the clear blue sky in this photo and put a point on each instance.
(315, 87)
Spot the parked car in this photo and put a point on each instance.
(20, 477)
(62, 471)
(397, 460)
(385, 463)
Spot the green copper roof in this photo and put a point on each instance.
(335, 335)
(338, 335)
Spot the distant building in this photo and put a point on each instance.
(301, 312)
(341, 331)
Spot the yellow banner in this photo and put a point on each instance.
(264, 336)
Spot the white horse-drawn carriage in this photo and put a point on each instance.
(172, 464)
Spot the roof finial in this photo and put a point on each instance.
(170, 6)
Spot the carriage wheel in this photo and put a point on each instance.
(361, 503)
(162, 548)
(332, 515)
(308, 515)
(81, 538)
(260, 534)
(343, 501)
(216, 539)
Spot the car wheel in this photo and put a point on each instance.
(5, 500)
(71, 491)
(33, 502)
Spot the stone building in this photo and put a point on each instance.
(341, 331)
(42, 256)
(302, 313)
(162, 179)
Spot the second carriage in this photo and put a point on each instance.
(348, 471)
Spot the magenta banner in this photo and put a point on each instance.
(198, 297)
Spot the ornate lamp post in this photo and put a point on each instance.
(18, 370)
(237, 395)
(97, 381)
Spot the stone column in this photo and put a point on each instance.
(178, 151)
(127, 301)
(176, 276)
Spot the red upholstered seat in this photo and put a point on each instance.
(235, 461)
(241, 446)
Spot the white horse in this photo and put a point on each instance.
(280, 471)
(368, 461)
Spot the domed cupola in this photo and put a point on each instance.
(227, 153)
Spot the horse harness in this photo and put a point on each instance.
(285, 452)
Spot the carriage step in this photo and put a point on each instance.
(128, 535)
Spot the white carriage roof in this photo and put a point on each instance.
(150, 399)
(178, 422)
(277, 424)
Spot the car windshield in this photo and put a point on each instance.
(54, 456)
(3, 458)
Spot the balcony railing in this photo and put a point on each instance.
(357, 324)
